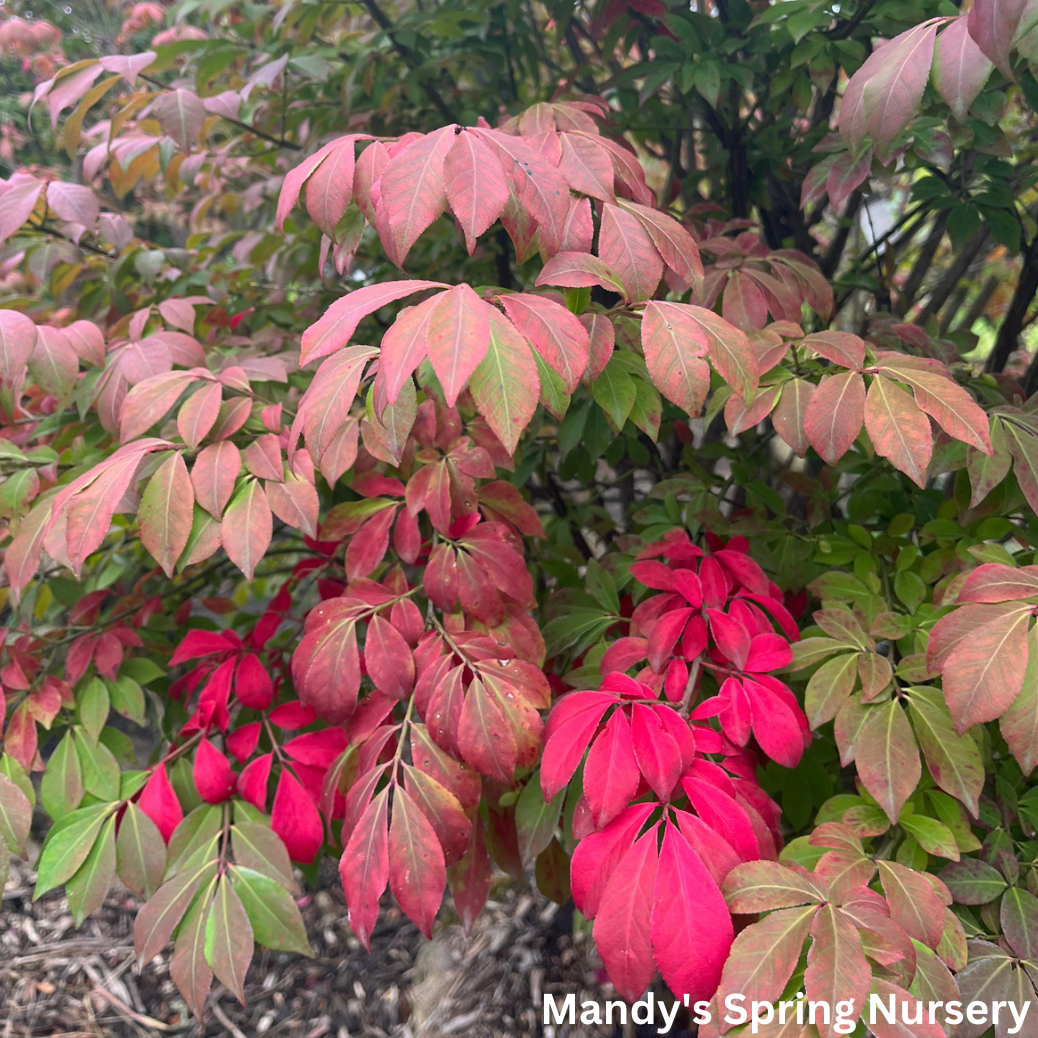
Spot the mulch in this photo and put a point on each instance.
(59, 980)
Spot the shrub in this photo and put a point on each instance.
(656, 543)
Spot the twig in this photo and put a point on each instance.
(225, 1020)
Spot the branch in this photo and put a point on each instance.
(1016, 315)
(383, 22)
(924, 261)
(952, 276)
(234, 122)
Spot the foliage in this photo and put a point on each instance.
(457, 437)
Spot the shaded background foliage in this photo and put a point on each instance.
(704, 434)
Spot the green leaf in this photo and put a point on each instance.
(195, 838)
(140, 852)
(647, 411)
(536, 819)
(100, 768)
(86, 890)
(61, 788)
(10, 768)
(158, 918)
(954, 760)
(829, 688)
(887, 758)
(258, 847)
(188, 968)
(602, 588)
(228, 938)
(973, 882)
(68, 845)
(15, 815)
(1019, 918)
(578, 629)
(553, 396)
(93, 708)
(809, 651)
(931, 835)
(274, 915)
(127, 698)
(614, 392)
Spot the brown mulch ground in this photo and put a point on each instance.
(57, 980)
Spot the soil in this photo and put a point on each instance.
(59, 980)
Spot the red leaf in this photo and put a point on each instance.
(405, 345)
(485, 737)
(743, 303)
(213, 475)
(677, 247)
(887, 757)
(686, 900)
(623, 929)
(505, 385)
(199, 412)
(890, 85)
(149, 400)
(984, 673)
(252, 683)
(587, 166)
(294, 180)
(452, 826)
(326, 666)
(837, 969)
(417, 873)
(89, 514)
(213, 777)
(834, 415)
(579, 270)
(459, 336)
(539, 186)
(994, 582)
(166, 512)
(196, 644)
(675, 345)
(899, 431)
(470, 879)
(914, 902)
(659, 756)
(18, 202)
(340, 320)
(476, 186)
(252, 782)
(946, 402)
(413, 191)
(555, 333)
(570, 725)
(388, 659)
(242, 742)
(364, 867)
(960, 67)
(160, 804)
(326, 404)
(626, 248)
(295, 502)
(611, 776)
(790, 415)
(329, 189)
(597, 856)
(247, 528)
(995, 26)
(17, 341)
(296, 820)
(368, 546)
